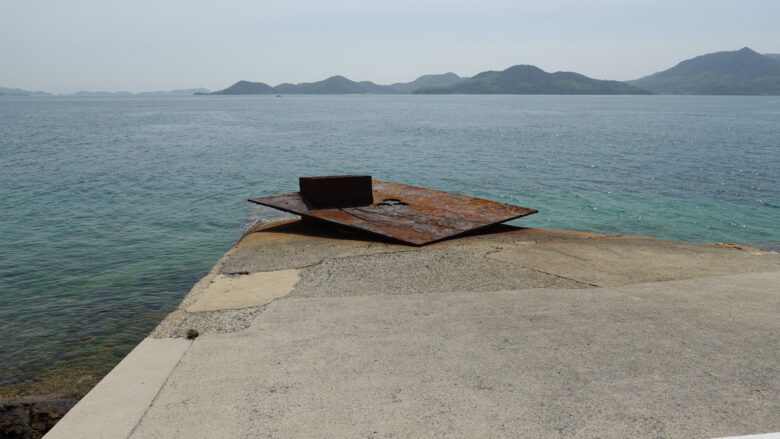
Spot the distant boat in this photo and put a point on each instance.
(278, 96)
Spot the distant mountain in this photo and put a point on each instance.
(774, 56)
(741, 72)
(337, 85)
(333, 85)
(427, 81)
(526, 79)
(246, 88)
(4, 91)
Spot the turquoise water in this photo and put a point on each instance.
(114, 207)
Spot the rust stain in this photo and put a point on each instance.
(409, 214)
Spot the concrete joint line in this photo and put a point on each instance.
(115, 407)
(487, 256)
(562, 277)
(159, 390)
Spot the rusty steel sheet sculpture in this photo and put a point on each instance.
(409, 214)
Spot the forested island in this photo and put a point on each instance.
(338, 85)
(741, 72)
(525, 79)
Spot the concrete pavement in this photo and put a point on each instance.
(116, 405)
(518, 333)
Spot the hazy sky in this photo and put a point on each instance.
(136, 45)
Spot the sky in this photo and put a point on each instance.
(64, 46)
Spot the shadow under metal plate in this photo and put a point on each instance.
(409, 214)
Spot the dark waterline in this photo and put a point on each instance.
(114, 207)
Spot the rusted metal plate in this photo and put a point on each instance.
(409, 214)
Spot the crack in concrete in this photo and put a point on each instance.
(497, 249)
(561, 277)
(494, 250)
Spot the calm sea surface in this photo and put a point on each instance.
(113, 207)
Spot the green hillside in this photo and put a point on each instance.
(526, 79)
(740, 72)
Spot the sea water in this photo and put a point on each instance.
(113, 207)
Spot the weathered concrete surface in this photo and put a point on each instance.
(115, 406)
(608, 261)
(334, 263)
(516, 333)
(244, 291)
(692, 358)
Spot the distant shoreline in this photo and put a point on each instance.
(741, 72)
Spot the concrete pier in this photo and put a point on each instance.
(306, 331)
